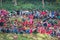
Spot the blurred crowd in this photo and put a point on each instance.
(27, 21)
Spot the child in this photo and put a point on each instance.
(31, 16)
(31, 30)
(41, 30)
(31, 22)
(15, 29)
(7, 30)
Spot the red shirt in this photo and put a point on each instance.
(31, 16)
(43, 13)
(2, 20)
(25, 23)
(49, 25)
(49, 32)
(5, 24)
(41, 30)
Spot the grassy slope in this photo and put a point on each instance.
(26, 37)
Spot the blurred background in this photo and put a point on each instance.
(30, 4)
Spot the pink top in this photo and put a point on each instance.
(31, 21)
(4, 12)
(31, 31)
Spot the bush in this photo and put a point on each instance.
(29, 6)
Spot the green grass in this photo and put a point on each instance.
(5, 36)
(29, 6)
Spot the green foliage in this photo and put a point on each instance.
(29, 5)
(10, 36)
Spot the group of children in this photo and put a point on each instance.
(37, 21)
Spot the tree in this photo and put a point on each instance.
(57, 1)
(1, 3)
(15, 2)
(43, 3)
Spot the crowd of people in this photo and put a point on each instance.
(36, 21)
